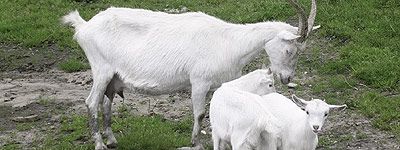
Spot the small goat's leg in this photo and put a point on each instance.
(92, 102)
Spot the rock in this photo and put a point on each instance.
(203, 132)
(31, 118)
(7, 100)
(8, 80)
(292, 85)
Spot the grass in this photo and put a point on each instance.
(132, 132)
(45, 101)
(382, 109)
(24, 126)
(73, 65)
(360, 43)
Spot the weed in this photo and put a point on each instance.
(375, 105)
(46, 101)
(122, 108)
(171, 98)
(132, 132)
(360, 135)
(349, 137)
(24, 126)
(154, 133)
(142, 102)
(73, 65)
(10, 146)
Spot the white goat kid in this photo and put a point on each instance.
(301, 119)
(157, 53)
(237, 116)
(259, 82)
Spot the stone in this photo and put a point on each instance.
(292, 85)
(30, 118)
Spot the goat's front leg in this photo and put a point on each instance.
(199, 92)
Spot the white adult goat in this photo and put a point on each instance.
(237, 115)
(301, 119)
(156, 53)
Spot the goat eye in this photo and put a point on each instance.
(307, 112)
(270, 85)
(326, 115)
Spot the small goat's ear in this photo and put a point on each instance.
(337, 107)
(299, 102)
(269, 71)
(288, 36)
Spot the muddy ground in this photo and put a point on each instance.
(42, 94)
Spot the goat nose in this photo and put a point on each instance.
(315, 127)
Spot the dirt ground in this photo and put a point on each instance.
(27, 94)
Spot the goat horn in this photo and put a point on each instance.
(311, 18)
(302, 29)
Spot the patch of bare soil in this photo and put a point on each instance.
(45, 93)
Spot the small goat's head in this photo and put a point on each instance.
(266, 82)
(317, 111)
(284, 49)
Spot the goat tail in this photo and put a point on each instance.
(74, 19)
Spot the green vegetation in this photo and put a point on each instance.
(45, 101)
(132, 132)
(383, 109)
(24, 126)
(73, 65)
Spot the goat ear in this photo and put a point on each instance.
(269, 71)
(299, 102)
(288, 36)
(337, 107)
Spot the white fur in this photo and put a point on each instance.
(237, 116)
(156, 53)
(298, 131)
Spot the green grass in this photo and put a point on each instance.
(384, 110)
(132, 132)
(154, 133)
(24, 126)
(73, 65)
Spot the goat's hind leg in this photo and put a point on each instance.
(96, 96)
(106, 114)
